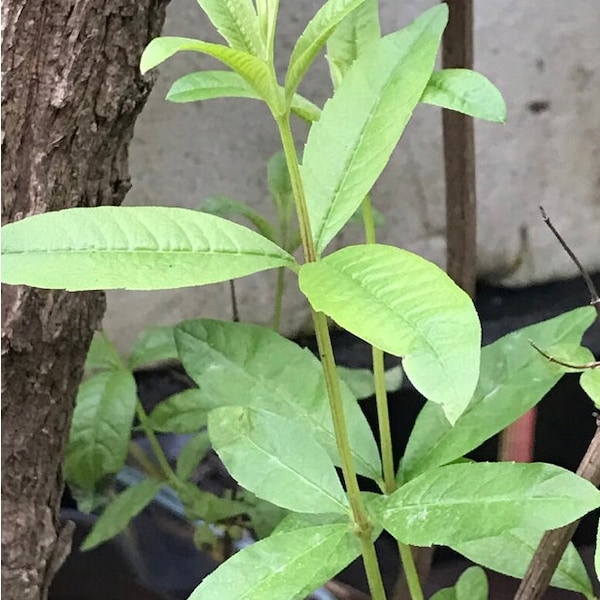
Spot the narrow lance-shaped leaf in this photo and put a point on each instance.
(471, 585)
(349, 146)
(136, 248)
(462, 502)
(276, 459)
(238, 364)
(513, 378)
(191, 454)
(102, 354)
(207, 85)
(289, 566)
(100, 429)
(120, 511)
(237, 22)
(510, 553)
(467, 92)
(180, 413)
(254, 70)
(407, 306)
(359, 29)
(313, 38)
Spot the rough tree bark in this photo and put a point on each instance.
(71, 91)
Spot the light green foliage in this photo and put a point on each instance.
(280, 186)
(471, 585)
(133, 248)
(313, 38)
(192, 453)
(462, 502)
(349, 146)
(238, 364)
(359, 29)
(102, 354)
(276, 459)
(237, 22)
(265, 517)
(153, 345)
(121, 510)
(407, 306)
(180, 413)
(467, 92)
(362, 384)
(590, 382)
(510, 552)
(282, 566)
(514, 377)
(100, 428)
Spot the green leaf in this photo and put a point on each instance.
(471, 585)
(359, 29)
(378, 217)
(407, 306)
(294, 521)
(462, 502)
(207, 85)
(207, 506)
(289, 566)
(223, 206)
(136, 248)
(276, 459)
(102, 354)
(362, 384)
(238, 364)
(180, 413)
(191, 454)
(349, 146)
(252, 69)
(313, 38)
(513, 378)
(153, 345)
(467, 92)
(280, 185)
(570, 354)
(510, 553)
(237, 22)
(264, 516)
(101, 427)
(590, 382)
(120, 511)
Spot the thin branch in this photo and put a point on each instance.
(235, 313)
(595, 299)
(591, 365)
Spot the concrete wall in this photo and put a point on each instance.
(543, 56)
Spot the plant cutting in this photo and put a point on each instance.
(280, 419)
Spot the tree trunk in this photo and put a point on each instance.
(71, 91)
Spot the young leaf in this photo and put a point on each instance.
(136, 248)
(207, 85)
(102, 354)
(206, 506)
(510, 553)
(407, 306)
(254, 70)
(514, 377)
(467, 92)
(238, 364)
(101, 426)
(590, 382)
(264, 516)
(362, 384)
(286, 565)
(349, 146)
(313, 38)
(462, 502)
(237, 22)
(153, 345)
(359, 29)
(120, 511)
(471, 585)
(223, 206)
(191, 454)
(180, 413)
(276, 459)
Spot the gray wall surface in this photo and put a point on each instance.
(544, 57)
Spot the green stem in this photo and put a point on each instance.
(161, 458)
(385, 434)
(363, 526)
(278, 298)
